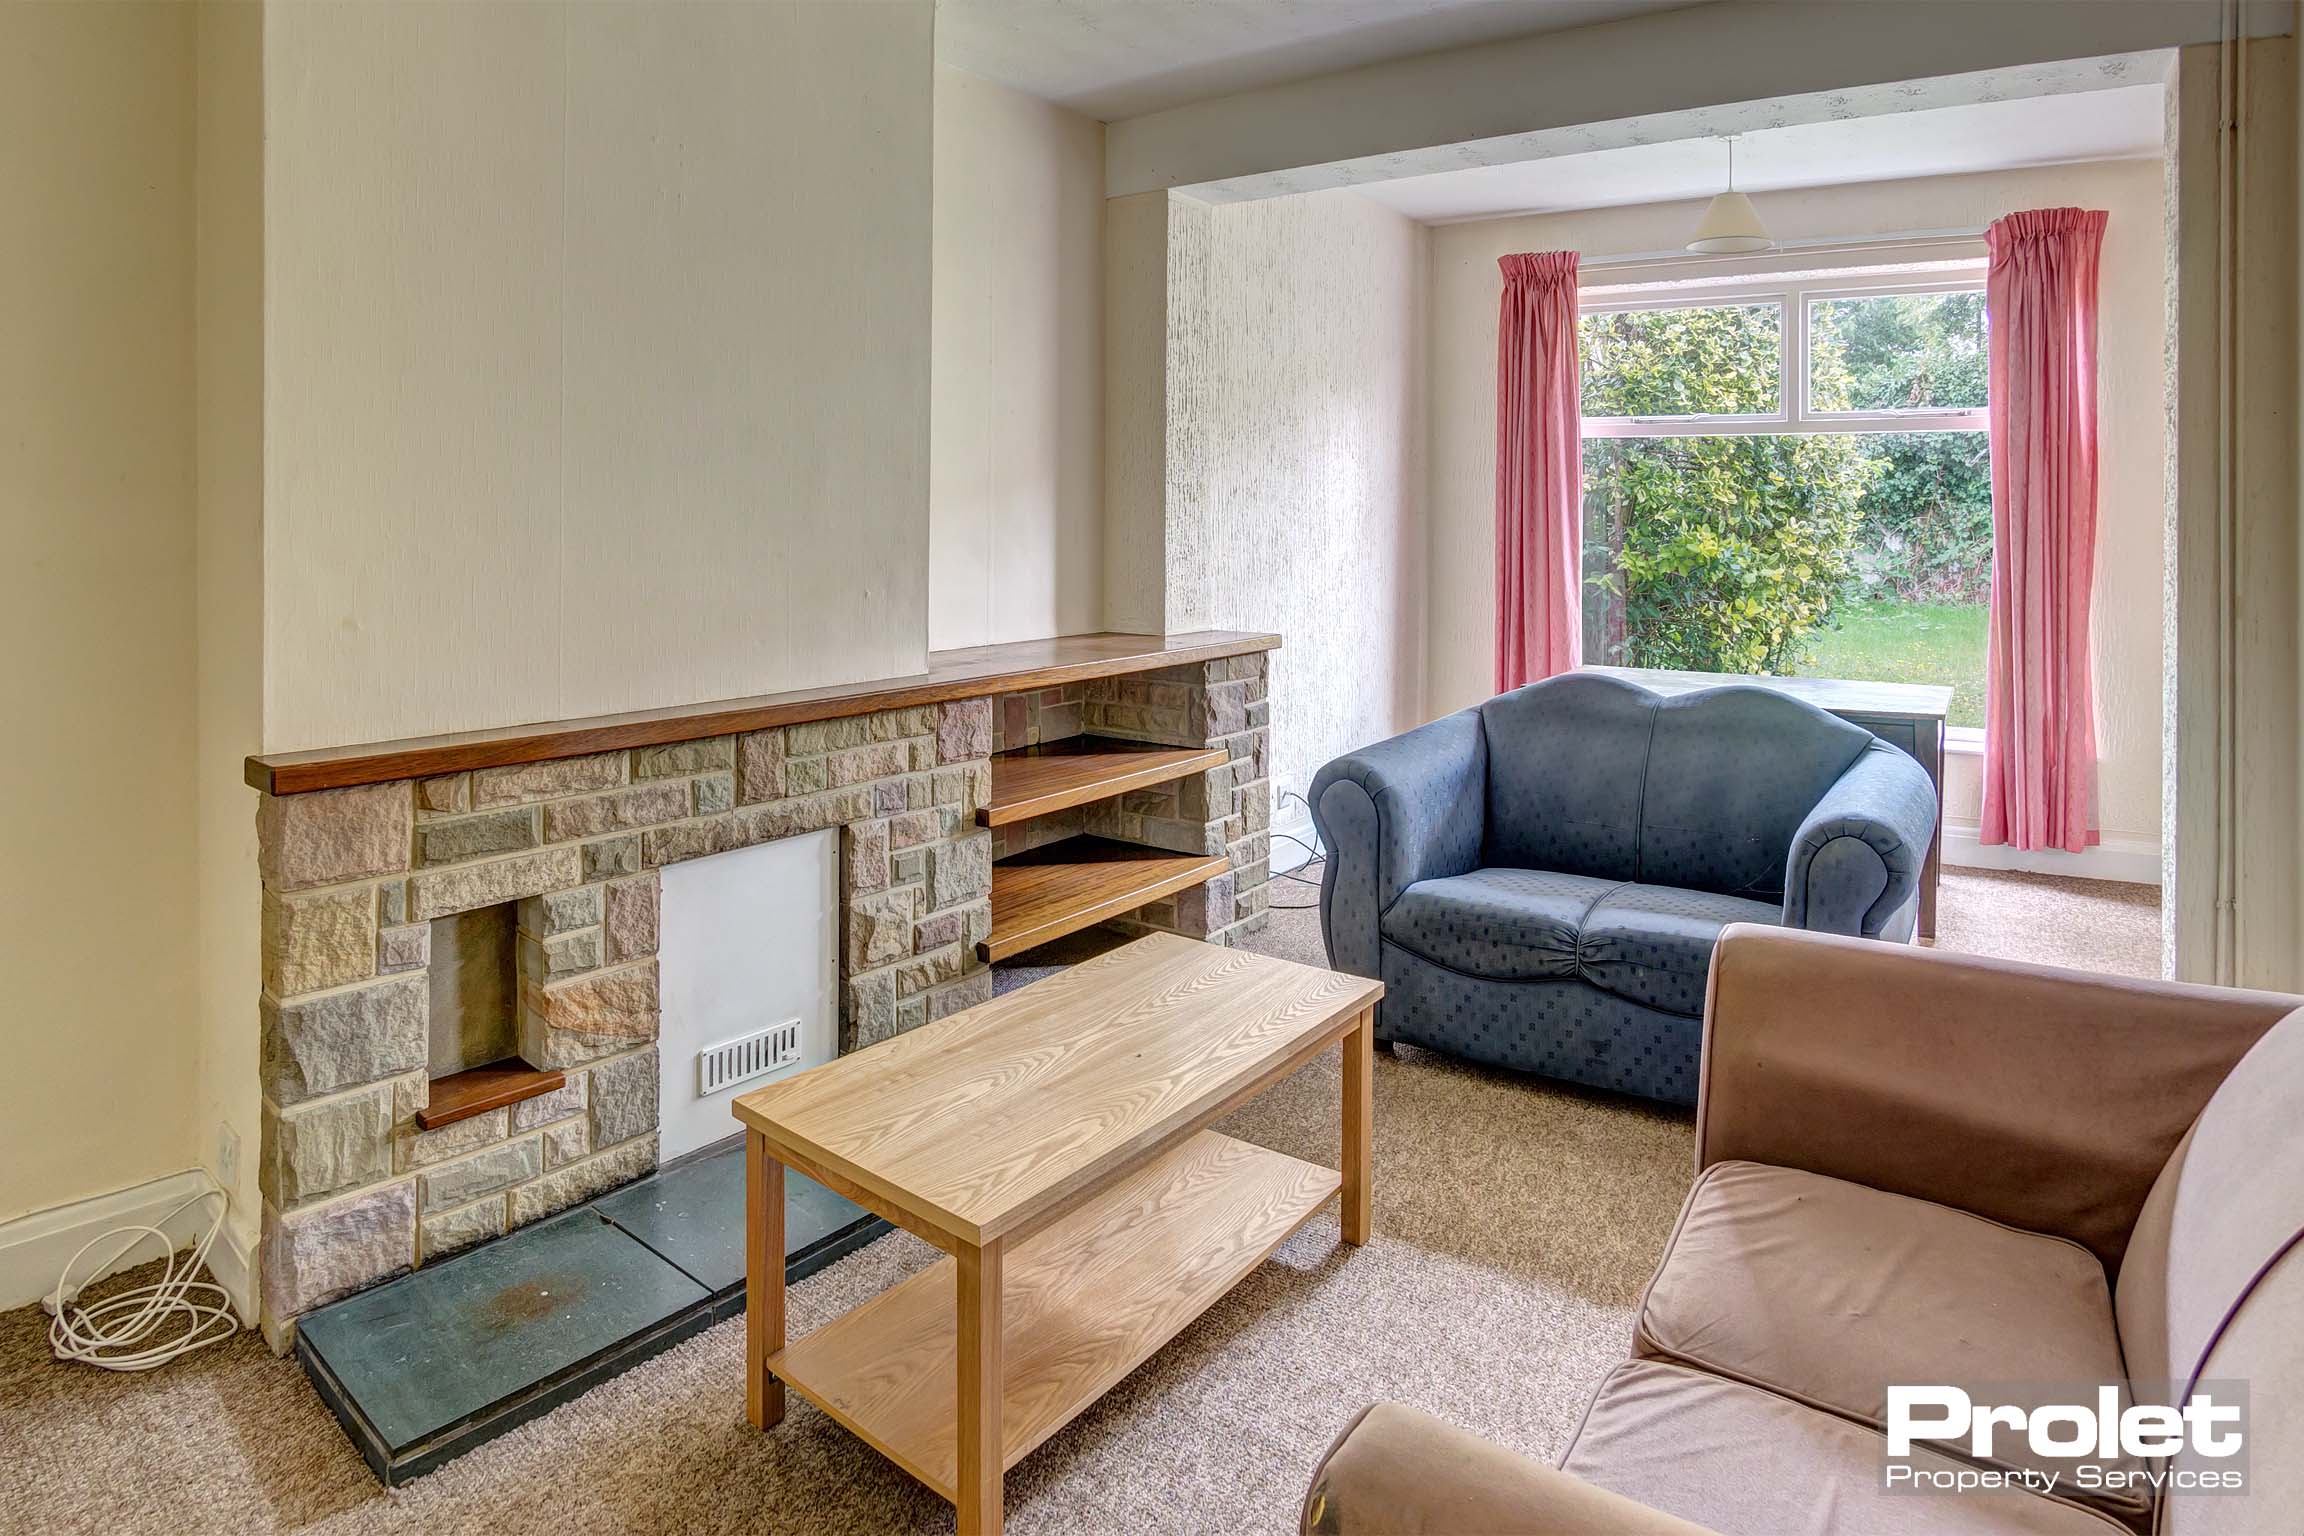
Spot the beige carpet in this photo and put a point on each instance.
(1515, 1224)
(2094, 925)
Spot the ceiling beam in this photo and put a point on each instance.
(1735, 51)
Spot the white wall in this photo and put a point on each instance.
(1015, 462)
(228, 297)
(96, 599)
(2131, 369)
(596, 357)
(1295, 479)
(1136, 345)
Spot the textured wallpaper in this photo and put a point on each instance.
(1295, 477)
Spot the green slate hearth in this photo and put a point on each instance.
(429, 1366)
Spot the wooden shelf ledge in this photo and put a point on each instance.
(477, 1090)
(962, 674)
(1038, 781)
(1087, 1299)
(1078, 883)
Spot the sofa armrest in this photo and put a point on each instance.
(1397, 1471)
(1408, 809)
(2046, 1099)
(1857, 858)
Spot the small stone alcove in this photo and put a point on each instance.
(475, 989)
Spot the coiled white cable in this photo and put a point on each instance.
(116, 1333)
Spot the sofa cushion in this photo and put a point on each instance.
(1564, 1028)
(1565, 761)
(1828, 1292)
(1732, 773)
(1506, 924)
(1744, 1462)
(1653, 943)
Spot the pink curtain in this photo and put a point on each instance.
(2040, 736)
(1539, 471)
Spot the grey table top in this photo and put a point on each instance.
(1918, 701)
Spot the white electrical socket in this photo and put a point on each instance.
(227, 1158)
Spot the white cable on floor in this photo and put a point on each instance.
(115, 1333)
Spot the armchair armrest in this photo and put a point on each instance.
(1857, 858)
(2043, 1098)
(1396, 1471)
(1403, 810)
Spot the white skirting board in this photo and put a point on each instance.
(1291, 820)
(34, 1249)
(2134, 859)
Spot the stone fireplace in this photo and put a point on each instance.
(387, 901)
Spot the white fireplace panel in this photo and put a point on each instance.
(750, 941)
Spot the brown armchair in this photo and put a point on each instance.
(1921, 1167)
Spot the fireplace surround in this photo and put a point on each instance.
(360, 869)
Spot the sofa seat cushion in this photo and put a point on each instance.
(1828, 1292)
(1649, 944)
(1744, 1462)
(1653, 943)
(1504, 924)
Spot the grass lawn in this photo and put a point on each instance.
(1907, 643)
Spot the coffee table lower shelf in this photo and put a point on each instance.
(1086, 1299)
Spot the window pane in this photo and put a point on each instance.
(1718, 360)
(1901, 352)
(1831, 555)
(1915, 610)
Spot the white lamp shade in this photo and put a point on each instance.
(1729, 225)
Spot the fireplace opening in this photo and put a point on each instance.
(475, 989)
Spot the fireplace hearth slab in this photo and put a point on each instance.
(424, 1368)
(692, 1215)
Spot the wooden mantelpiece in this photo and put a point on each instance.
(962, 674)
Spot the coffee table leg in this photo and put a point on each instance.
(982, 1458)
(1359, 1048)
(763, 1281)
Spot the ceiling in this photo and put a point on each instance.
(1114, 59)
(1983, 136)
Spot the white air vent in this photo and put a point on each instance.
(747, 1056)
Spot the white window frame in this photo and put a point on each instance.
(1794, 416)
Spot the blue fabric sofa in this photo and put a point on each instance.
(1539, 880)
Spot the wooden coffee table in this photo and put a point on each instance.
(1051, 1142)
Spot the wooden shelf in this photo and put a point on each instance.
(1078, 883)
(1056, 777)
(1088, 1298)
(962, 674)
(477, 1090)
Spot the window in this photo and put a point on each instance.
(1790, 475)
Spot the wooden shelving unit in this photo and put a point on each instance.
(1042, 780)
(1064, 887)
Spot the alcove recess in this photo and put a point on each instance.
(1089, 827)
(474, 1057)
